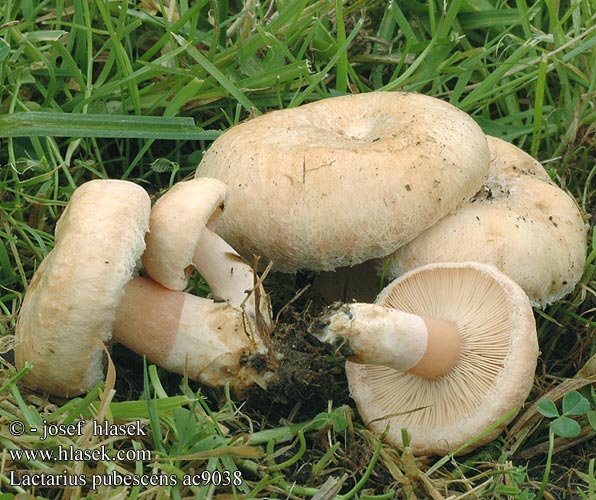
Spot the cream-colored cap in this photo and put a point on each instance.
(178, 219)
(519, 221)
(345, 179)
(494, 373)
(179, 240)
(70, 304)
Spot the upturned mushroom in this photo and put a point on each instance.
(520, 221)
(82, 295)
(446, 351)
(314, 188)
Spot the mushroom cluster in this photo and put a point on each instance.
(84, 293)
(446, 350)
(411, 181)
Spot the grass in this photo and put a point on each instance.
(137, 90)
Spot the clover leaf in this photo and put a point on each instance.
(574, 404)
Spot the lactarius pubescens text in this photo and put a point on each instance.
(446, 351)
(346, 179)
(82, 295)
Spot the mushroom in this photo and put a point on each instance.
(82, 295)
(69, 307)
(315, 188)
(520, 221)
(446, 351)
(179, 239)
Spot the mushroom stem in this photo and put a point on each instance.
(228, 275)
(186, 334)
(405, 342)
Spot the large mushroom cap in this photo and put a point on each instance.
(70, 304)
(494, 373)
(520, 222)
(345, 179)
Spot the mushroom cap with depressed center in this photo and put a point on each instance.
(178, 220)
(520, 222)
(494, 374)
(346, 179)
(71, 302)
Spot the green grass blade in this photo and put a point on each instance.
(538, 107)
(341, 78)
(39, 124)
(224, 81)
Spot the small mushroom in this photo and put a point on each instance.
(82, 295)
(520, 221)
(315, 188)
(446, 351)
(179, 239)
